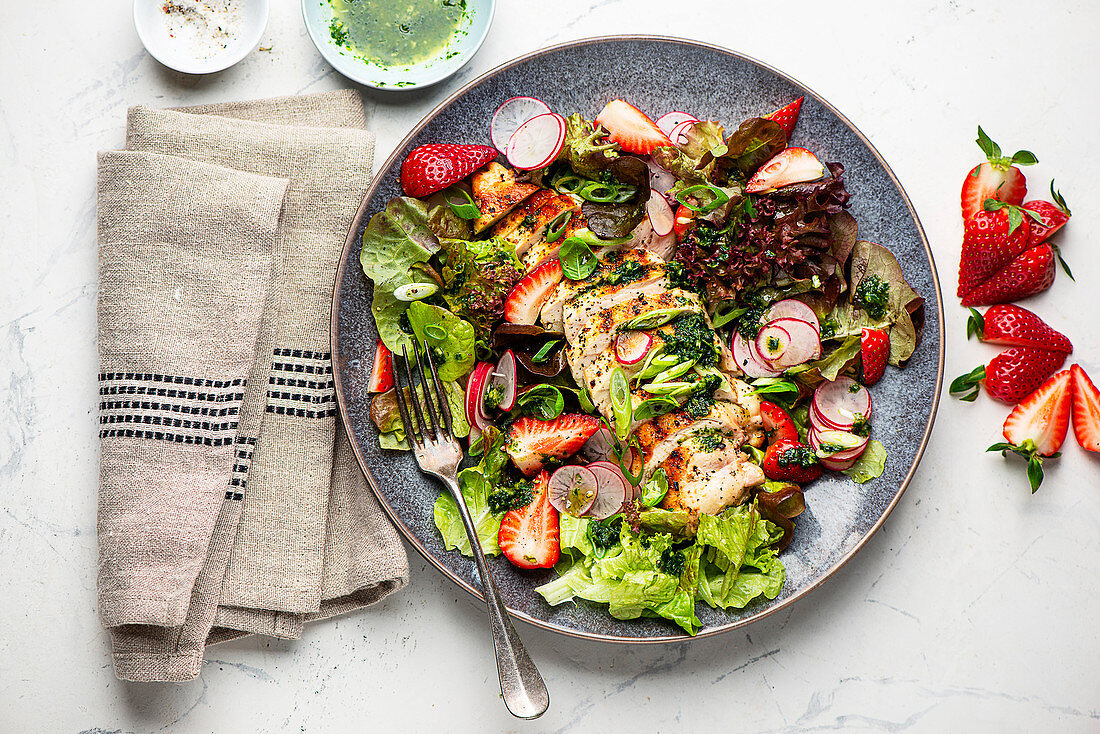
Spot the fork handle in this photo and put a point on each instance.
(521, 684)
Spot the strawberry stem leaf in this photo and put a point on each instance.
(975, 324)
(1030, 452)
(1034, 472)
(1057, 196)
(991, 149)
(965, 387)
(1015, 218)
(1024, 158)
(1062, 261)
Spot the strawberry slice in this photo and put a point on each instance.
(874, 349)
(1051, 216)
(1010, 376)
(777, 423)
(1013, 326)
(998, 178)
(525, 300)
(1031, 272)
(1086, 410)
(792, 462)
(529, 536)
(789, 166)
(532, 442)
(1037, 426)
(786, 116)
(434, 167)
(630, 128)
(991, 240)
(381, 371)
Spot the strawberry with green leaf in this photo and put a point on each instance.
(1046, 218)
(992, 239)
(1036, 428)
(997, 178)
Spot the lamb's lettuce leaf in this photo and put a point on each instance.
(450, 338)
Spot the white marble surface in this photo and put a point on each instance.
(973, 608)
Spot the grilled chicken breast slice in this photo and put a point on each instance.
(552, 316)
(708, 481)
(496, 192)
(526, 224)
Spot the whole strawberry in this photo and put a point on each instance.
(991, 240)
(1013, 326)
(874, 349)
(791, 461)
(1010, 376)
(997, 178)
(431, 168)
(1031, 272)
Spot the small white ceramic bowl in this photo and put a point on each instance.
(318, 16)
(180, 53)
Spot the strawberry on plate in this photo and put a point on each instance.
(874, 349)
(1013, 326)
(631, 128)
(1086, 410)
(1011, 375)
(525, 300)
(777, 423)
(532, 443)
(786, 116)
(434, 167)
(381, 371)
(991, 240)
(1031, 272)
(529, 536)
(1051, 216)
(791, 461)
(1037, 426)
(997, 178)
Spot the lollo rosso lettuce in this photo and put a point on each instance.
(477, 277)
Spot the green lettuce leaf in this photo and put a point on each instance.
(477, 277)
(573, 536)
(741, 565)
(836, 361)
(394, 441)
(586, 147)
(870, 464)
(450, 338)
(475, 490)
(574, 580)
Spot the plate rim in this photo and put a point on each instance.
(411, 538)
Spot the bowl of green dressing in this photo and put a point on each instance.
(398, 44)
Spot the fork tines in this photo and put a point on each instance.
(421, 393)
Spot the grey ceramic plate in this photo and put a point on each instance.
(658, 75)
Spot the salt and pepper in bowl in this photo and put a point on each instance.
(200, 36)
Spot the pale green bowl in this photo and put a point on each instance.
(318, 15)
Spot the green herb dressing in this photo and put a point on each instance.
(391, 33)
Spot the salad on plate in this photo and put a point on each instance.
(653, 336)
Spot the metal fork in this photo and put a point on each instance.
(438, 454)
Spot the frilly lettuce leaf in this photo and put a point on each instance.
(450, 338)
(477, 276)
(693, 161)
(586, 148)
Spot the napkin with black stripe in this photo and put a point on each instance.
(230, 500)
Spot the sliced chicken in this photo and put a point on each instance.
(542, 251)
(708, 481)
(496, 192)
(526, 225)
(662, 435)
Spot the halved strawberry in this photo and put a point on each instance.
(786, 116)
(1008, 324)
(1037, 426)
(1011, 375)
(1086, 410)
(777, 423)
(998, 178)
(532, 443)
(874, 349)
(381, 371)
(525, 300)
(631, 128)
(434, 167)
(1031, 272)
(991, 240)
(789, 166)
(529, 536)
(1051, 216)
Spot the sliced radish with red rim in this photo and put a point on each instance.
(612, 490)
(572, 490)
(600, 447)
(841, 402)
(476, 388)
(660, 179)
(771, 344)
(660, 214)
(746, 359)
(676, 132)
(839, 445)
(792, 308)
(510, 115)
(838, 464)
(669, 121)
(632, 346)
(804, 342)
(537, 142)
(504, 376)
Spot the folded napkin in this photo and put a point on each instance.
(230, 501)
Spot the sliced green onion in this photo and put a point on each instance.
(414, 291)
(625, 194)
(673, 389)
(599, 193)
(435, 331)
(543, 355)
(621, 404)
(586, 236)
(557, 226)
(654, 365)
(673, 372)
(634, 444)
(653, 319)
(568, 183)
(464, 209)
(715, 197)
(655, 489)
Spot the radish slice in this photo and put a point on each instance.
(599, 447)
(838, 464)
(819, 424)
(749, 364)
(772, 343)
(572, 490)
(510, 115)
(805, 343)
(660, 214)
(660, 179)
(612, 490)
(672, 119)
(537, 142)
(841, 401)
(838, 445)
(476, 388)
(632, 346)
(676, 132)
(505, 376)
(792, 308)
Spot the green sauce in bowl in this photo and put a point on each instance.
(389, 33)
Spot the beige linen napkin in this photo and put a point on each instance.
(298, 536)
